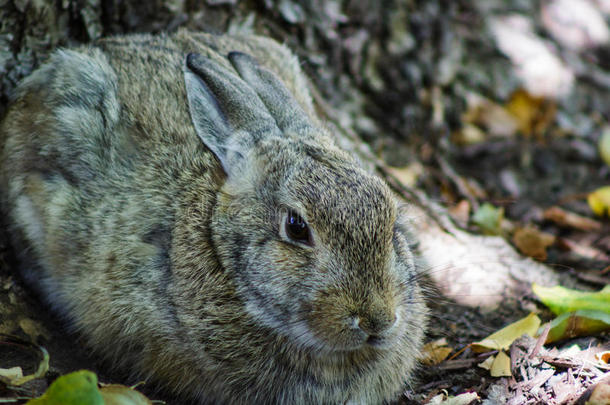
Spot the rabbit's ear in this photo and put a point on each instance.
(227, 114)
(279, 102)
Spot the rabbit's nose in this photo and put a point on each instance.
(377, 323)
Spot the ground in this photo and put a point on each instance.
(463, 103)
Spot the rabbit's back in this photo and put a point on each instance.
(106, 128)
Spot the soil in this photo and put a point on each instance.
(400, 74)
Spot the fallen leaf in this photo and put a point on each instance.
(407, 175)
(500, 366)
(489, 219)
(460, 212)
(578, 323)
(532, 242)
(116, 394)
(561, 300)
(77, 388)
(583, 249)
(43, 365)
(10, 374)
(469, 134)
(433, 353)
(599, 201)
(486, 364)
(492, 117)
(571, 220)
(462, 399)
(502, 339)
(533, 114)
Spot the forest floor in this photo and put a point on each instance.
(448, 102)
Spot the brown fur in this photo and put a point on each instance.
(167, 252)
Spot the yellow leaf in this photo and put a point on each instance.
(487, 363)
(435, 352)
(500, 366)
(599, 201)
(502, 339)
(533, 114)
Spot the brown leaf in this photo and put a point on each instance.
(435, 352)
(533, 242)
(571, 220)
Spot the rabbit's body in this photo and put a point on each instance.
(174, 257)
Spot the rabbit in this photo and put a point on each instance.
(178, 201)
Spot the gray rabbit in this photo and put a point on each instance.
(177, 201)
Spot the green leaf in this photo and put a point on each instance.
(489, 219)
(77, 388)
(580, 323)
(561, 300)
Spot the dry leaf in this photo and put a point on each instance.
(7, 375)
(468, 135)
(433, 353)
(532, 242)
(492, 117)
(407, 175)
(116, 394)
(500, 366)
(571, 220)
(502, 339)
(486, 364)
(533, 114)
(461, 212)
(462, 399)
(43, 365)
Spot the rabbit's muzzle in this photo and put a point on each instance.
(344, 323)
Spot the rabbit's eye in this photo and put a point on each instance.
(296, 228)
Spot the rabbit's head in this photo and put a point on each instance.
(313, 242)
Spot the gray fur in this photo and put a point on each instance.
(149, 196)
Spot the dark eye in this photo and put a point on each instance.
(296, 228)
